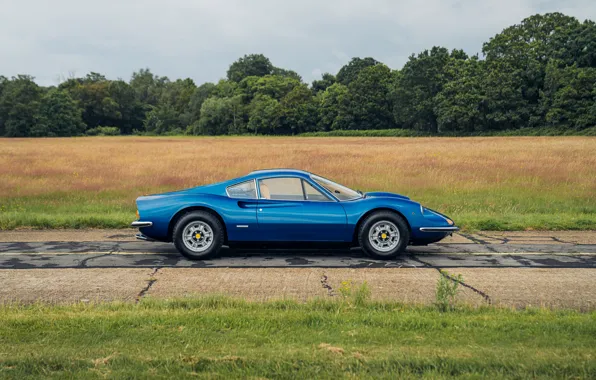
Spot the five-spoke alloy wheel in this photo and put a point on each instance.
(383, 235)
(198, 235)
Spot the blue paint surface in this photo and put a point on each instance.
(270, 220)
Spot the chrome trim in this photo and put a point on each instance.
(240, 183)
(242, 225)
(139, 224)
(439, 229)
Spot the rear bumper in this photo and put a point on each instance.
(439, 229)
(139, 224)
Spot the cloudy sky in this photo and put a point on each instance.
(200, 38)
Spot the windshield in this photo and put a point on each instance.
(339, 191)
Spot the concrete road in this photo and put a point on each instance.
(130, 254)
(515, 269)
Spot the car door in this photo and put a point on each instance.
(241, 212)
(291, 209)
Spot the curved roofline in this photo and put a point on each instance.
(280, 170)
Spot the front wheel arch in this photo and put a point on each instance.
(186, 210)
(370, 212)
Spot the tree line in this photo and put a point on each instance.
(539, 73)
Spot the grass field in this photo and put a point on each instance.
(498, 183)
(225, 338)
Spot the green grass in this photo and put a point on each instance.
(225, 338)
(498, 209)
(495, 183)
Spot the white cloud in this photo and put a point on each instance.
(200, 38)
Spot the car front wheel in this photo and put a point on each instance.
(383, 235)
(198, 235)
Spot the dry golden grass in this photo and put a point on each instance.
(463, 176)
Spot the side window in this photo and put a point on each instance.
(244, 190)
(313, 194)
(289, 189)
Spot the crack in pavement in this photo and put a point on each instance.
(462, 283)
(502, 239)
(115, 248)
(83, 263)
(474, 239)
(152, 280)
(325, 285)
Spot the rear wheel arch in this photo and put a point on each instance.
(375, 210)
(186, 210)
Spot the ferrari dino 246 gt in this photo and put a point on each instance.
(287, 206)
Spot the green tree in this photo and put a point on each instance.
(420, 80)
(334, 109)
(323, 83)
(526, 48)
(577, 45)
(220, 116)
(265, 115)
(19, 106)
(350, 72)
(250, 65)
(129, 112)
(299, 111)
(286, 73)
(569, 97)
(274, 86)
(369, 101)
(198, 97)
(59, 115)
(148, 87)
(93, 95)
(163, 120)
(504, 106)
(3, 82)
(459, 105)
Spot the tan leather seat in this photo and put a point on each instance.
(265, 191)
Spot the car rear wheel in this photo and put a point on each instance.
(198, 235)
(383, 235)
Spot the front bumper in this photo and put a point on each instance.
(439, 229)
(139, 224)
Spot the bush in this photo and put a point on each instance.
(103, 131)
(447, 288)
(356, 296)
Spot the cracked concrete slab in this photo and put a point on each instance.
(71, 285)
(511, 287)
(554, 288)
(405, 285)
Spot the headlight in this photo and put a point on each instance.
(450, 222)
(138, 215)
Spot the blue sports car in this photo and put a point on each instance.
(287, 206)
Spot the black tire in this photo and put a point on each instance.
(207, 218)
(367, 224)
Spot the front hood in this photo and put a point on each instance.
(379, 194)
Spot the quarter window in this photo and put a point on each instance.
(244, 190)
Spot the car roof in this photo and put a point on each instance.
(280, 171)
